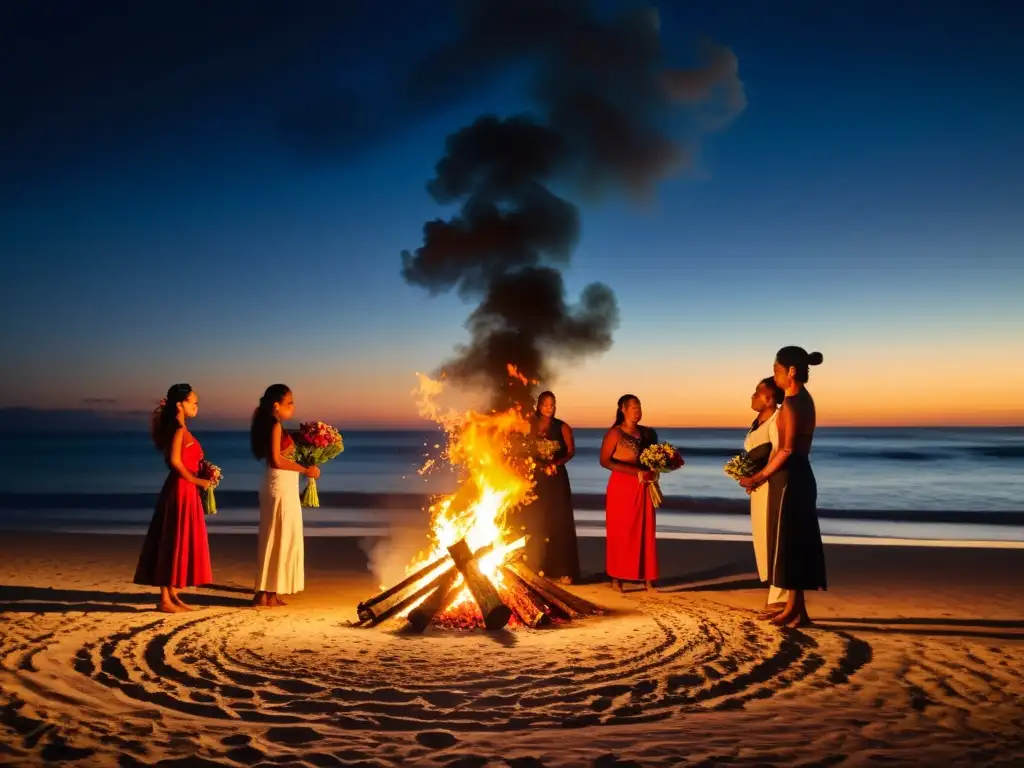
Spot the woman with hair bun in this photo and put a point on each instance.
(796, 557)
(176, 552)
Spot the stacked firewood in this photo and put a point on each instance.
(523, 596)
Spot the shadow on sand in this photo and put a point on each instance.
(728, 576)
(18, 599)
(985, 629)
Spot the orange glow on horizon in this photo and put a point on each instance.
(947, 383)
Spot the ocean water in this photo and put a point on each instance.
(909, 472)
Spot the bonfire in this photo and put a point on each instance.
(472, 574)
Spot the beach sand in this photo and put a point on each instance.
(917, 659)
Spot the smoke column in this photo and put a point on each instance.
(609, 119)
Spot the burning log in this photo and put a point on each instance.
(565, 601)
(496, 614)
(370, 611)
(525, 594)
(520, 599)
(411, 597)
(421, 616)
(399, 597)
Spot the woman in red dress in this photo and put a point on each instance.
(632, 553)
(176, 553)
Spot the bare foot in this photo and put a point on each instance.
(182, 606)
(260, 600)
(792, 619)
(276, 601)
(166, 606)
(771, 611)
(565, 580)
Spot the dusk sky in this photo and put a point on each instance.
(219, 193)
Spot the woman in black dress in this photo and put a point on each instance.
(796, 557)
(552, 548)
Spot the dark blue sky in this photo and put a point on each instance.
(219, 193)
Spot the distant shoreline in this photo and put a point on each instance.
(121, 428)
(412, 501)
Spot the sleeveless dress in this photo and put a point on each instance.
(760, 435)
(631, 547)
(796, 556)
(176, 552)
(280, 551)
(763, 511)
(549, 520)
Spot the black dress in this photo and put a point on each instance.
(549, 520)
(796, 556)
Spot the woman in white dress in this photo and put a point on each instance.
(280, 554)
(763, 437)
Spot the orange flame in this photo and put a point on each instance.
(514, 373)
(492, 484)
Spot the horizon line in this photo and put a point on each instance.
(126, 420)
(423, 426)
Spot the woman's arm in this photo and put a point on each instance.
(787, 429)
(611, 439)
(174, 459)
(570, 445)
(277, 460)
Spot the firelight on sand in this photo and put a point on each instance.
(471, 573)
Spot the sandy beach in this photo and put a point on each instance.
(916, 659)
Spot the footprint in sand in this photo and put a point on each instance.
(299, 734)
(437, 739)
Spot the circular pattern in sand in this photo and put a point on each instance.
(291, 670)
(303, 680)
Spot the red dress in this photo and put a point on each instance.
(176, 552)
(632, 552)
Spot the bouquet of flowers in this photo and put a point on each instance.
(315, 443)
(748, 464)
(546, 449)
(213, 473)
(660, 458)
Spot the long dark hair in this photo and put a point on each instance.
(540, 399)
(800, 359)
(263, 419)
(164, 420)
(778, 393)
(620, 417)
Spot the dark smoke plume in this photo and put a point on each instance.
(609, 104)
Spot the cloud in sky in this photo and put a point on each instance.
(324, 80)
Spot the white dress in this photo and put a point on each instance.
(765, 433)
(280, 564)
